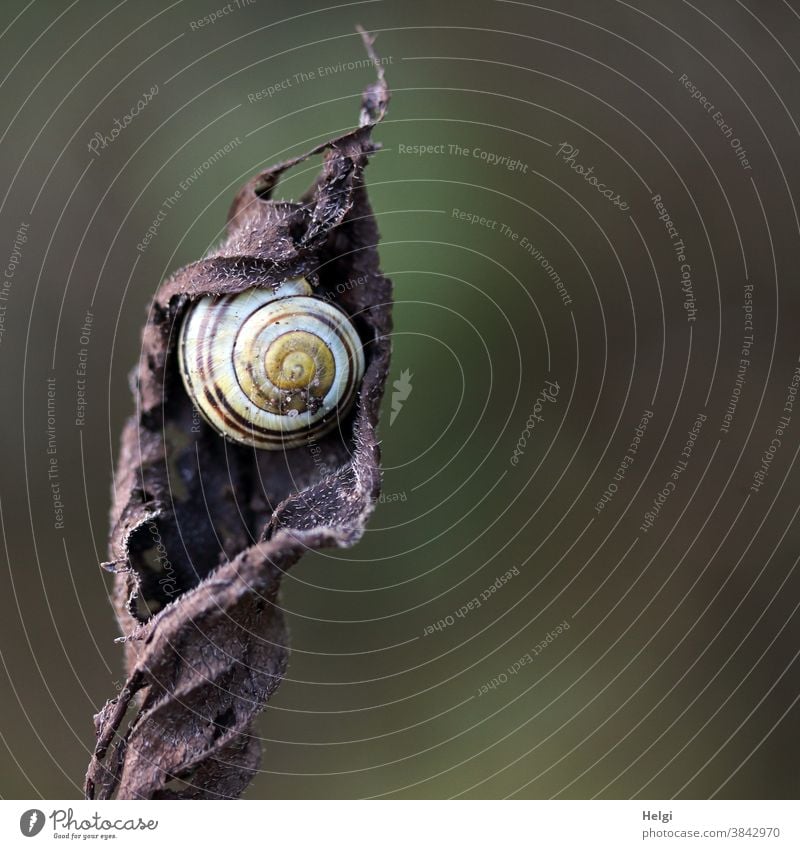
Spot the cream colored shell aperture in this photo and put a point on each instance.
(270, 369)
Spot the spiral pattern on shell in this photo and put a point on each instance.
(270, 369)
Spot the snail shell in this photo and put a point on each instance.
(270, 369)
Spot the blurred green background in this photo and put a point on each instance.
(678, 673)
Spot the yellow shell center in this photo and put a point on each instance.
(300, 360)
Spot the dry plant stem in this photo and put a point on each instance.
(202, 530)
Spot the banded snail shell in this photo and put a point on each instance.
(270, 369)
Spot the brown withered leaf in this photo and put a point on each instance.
(202, 530)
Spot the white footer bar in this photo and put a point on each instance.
(402, 824)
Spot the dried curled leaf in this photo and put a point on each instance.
(202, 529)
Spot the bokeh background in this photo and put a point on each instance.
(677, 674)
